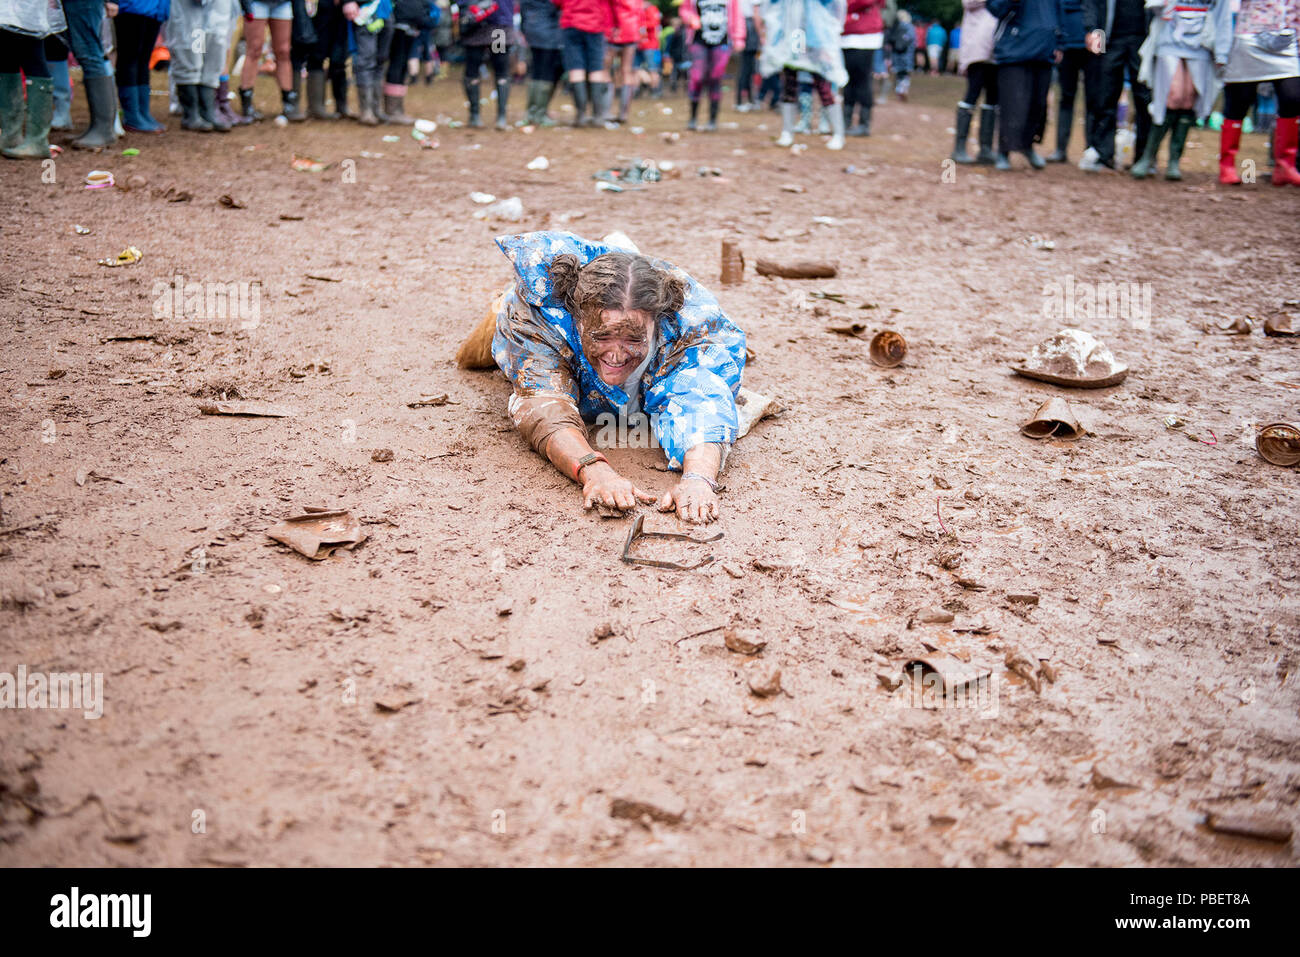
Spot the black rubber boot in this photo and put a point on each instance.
(101, 94)
(579, 102)
(693, 123)
(713, 116)
(291, 100)
(959, 154)
(1182, 124)
(208, 109)
(35, 139)
(191, 116)
(1146, 165)
(246, 107)
(988, 126)
(473, 93)
(503, 103)
(316, 96)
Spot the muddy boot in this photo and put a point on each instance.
(248, 112)
(1064, 121)
(836, 114)
(1146, 165)
(530, 110)
(208, 109)
(712, 126)
(62, 95)
(601, 100)
(1286, 142)
(12, 110)
(474, 97)
(291, 101)
(1002, 163)
(805, 113)
(544, 103)
(579, 102)
(366, 100)
(101, 94)
(693, 123)
(1229, 141)
(625, 101)
(316, 96)
(1183, 120)
(35, 144)
(1035, 161)
(339, 82)
(191, 118)
(959, 154)
(395, 105)
(789, 113)
(224, 112)
(503, 103)
(988, 126)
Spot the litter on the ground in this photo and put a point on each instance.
(127, 257)
(318, 532)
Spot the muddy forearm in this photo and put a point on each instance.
(705, 459)
(565, 447)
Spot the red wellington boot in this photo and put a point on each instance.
(1229, 141)
(1285, 135)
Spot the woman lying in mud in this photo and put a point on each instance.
(591, 330)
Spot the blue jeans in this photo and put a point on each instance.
(84, 18)
(583, 51)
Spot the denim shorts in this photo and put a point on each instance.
(583, 51)
(262, 10)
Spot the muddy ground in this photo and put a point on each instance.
(242, 722)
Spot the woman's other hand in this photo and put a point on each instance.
(694, 500)
(601, 485)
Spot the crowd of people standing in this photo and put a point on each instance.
(1174, 57)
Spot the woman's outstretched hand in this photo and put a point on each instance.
(694, 499)
(603, 486)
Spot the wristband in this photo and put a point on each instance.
(586, 460)
(696, 475)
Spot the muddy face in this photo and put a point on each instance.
(616, 341)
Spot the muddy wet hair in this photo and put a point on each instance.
(615, 281)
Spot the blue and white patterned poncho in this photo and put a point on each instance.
(689, 388)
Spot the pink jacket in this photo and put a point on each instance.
(977, 29)
(736, 23)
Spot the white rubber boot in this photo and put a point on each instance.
(836, 111)
(789, 116)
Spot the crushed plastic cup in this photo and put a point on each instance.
(426, 126)
(539, 163)
(511, 210)
(99, 179)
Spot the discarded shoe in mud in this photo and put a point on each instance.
(1279, 444)
(887, 348)
(1073, 358)
(317, 534)
(1054, 419)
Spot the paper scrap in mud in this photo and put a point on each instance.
(127, 257)
(317, 534)
(951, 673)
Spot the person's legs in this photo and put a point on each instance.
(501, 73)
(699, 63)
(254, 38)
(575, 61)
(1286, 132)
(56, 59)
(472, 83)
(1068, 71)
(601, 94)
(217, 24)
(1110, 84)
(338, 72)
(85, 18)
(365, 72)
(1237, 101)
(719, 57)
(399, 51)
(1040, 79)
(1141, 94)
(1015, 91)
(789, 105)
(975, 74)
(24, 121)
(832, 109)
